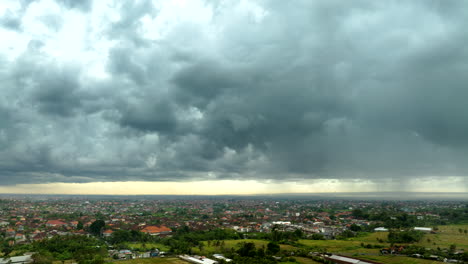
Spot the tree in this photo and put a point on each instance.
(247, 249)
(317, 237)
(96, 227)
(355, 228)
(80, 225)
(273, 248)
(42, 258)
(453, 247)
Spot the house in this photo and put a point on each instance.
(337, 259)
(380, 229)
(17, 260)
(19, 236)
(156, 230)
(107, 233)
(55, 223)
(198, 259)
(423, 229)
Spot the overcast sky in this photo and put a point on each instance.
(280, 96)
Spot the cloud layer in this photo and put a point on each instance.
(192, 90)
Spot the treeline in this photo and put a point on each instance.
(184, 239)
(82, 249)
(399, 219)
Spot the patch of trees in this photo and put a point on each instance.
(409, 236)
(285, 236)
(248, 253)
(122, 236)
(96, 227)
(85, 250)
(184, 239)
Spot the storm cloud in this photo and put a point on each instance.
(266, 90)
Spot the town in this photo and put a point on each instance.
(223, 228)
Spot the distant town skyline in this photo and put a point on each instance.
(233, 97)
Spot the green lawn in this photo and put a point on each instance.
(306, 260)
(446, 236)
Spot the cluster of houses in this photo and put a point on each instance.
(26, 220)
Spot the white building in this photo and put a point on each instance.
(17, 260)
(380, 229)
(423, 229)
(198, 259)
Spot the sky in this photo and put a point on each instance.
(233, 97)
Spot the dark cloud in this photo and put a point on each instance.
(82, 5)
(10, 21)
(277, 90)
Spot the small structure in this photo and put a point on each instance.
(281, 223)
(337, 259)
(221, 257)
(107, 233)
(198, 259)
(17, 260)
(156, 230)
(380, 229)
(55, 223)
(423, 229)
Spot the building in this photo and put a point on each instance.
(198, 259)
(156, 230)
(55, 223)
(423, 229)
(107, 233)
(380, 229)
(17, 260)
(337, 259)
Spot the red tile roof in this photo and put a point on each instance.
(156, 229)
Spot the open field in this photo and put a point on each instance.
(306, 260)
(152, 261)
(446, 236)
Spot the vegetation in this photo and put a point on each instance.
(405, 236)
(85, 250)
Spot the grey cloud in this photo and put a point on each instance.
(10, 21)
(126, 28)
(82, 5)
(310, 90)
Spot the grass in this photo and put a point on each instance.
(306, 260)
(446, 236)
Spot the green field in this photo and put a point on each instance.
(446, 236)
(306, 261)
